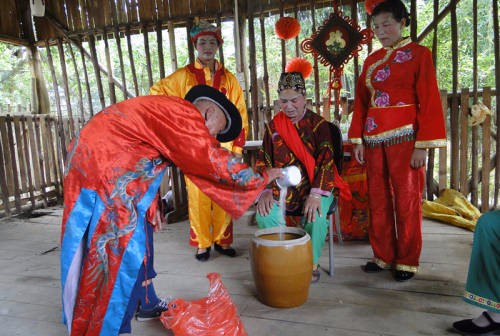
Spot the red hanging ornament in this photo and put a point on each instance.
(299, 64)
(371, 4)
(287, 28)
(334, 43)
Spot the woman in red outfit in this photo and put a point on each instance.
(397, 117)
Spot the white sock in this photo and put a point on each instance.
(482, 321)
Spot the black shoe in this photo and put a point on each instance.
(153, 313)
(203, 256)
(403, 275)
(229, 251)
(467, 327)
(371, 267)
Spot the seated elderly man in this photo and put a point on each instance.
(298, 137)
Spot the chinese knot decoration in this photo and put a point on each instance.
(334, 43)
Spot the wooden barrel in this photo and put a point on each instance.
(281, 260)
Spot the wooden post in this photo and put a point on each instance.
(464, 144)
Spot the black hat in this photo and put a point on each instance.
(233, 117)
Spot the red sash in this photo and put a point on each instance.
(291, 137)
(200, 76)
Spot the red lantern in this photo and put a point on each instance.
(287, 28)
(299, 64)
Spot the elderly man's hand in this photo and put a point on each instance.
(265, 203)
(311, 206)
(274, 173)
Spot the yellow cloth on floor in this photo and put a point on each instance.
(452, 207)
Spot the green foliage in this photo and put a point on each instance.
(15, 84)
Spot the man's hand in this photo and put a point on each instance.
(359, 153)
(265, 203)
(418, 158)
(311, 206)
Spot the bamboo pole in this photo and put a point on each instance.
(58, 99)
(95, 63)
(474, 134)
(3, 178)
(78, 86)
(315, 66)
(64, 74)
(173, 51)
(283, 45)
(148, 55)
(159, 41)
(190, 44)
(53, 163)
(87, 82)
(118, 42)
(131, 61)
(256, 131)
(265, 77)
(443, 151)
(111, 86)
(34, 153)
(40, 161)
(297, 43)
(13, 161)
(486, 161)
(239, 63)
(496, 42)
(20, 147)
(454, 115)
(464, 144)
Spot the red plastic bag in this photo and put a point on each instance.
(214, 315)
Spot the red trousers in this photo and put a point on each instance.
(395, 201)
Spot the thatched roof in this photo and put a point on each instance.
(84, 17)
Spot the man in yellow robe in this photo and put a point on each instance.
(209, 222)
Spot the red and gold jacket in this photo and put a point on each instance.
(397, 99)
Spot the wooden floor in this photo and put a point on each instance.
(351, 303)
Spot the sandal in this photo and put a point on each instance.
(315, 275)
